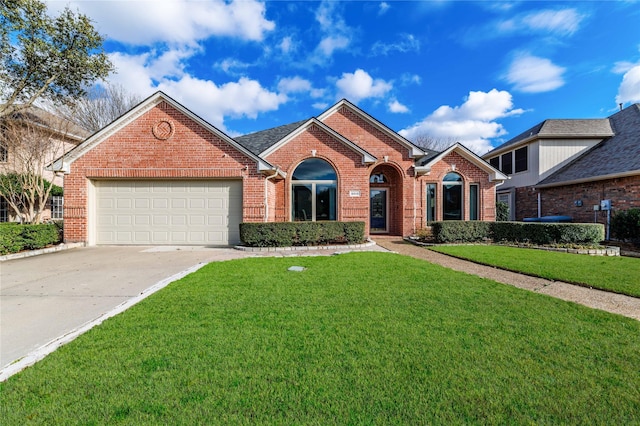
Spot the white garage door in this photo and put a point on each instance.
(197, 212)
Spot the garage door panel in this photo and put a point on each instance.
(168, 212)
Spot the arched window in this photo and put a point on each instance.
(313, 191)
(452, 185)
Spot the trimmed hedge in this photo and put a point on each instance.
(548, 233)
(15, 237)
(535, 232)
(285, 234)
(625, 225)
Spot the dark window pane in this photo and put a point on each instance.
(302, 203)
(495, 162)
(325, 202)
(452, 202)
(521, 159)
(507, 163)
(431, 202)
(452, 177)
(473, 202)
(314, 169)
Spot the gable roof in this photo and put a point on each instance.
(597, 128)
(424, 165)
(414, 150)
(50, 122)
(260, 141)
(63, 163)
(267, 138)
(616, 156)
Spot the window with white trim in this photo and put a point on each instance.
(313, 191)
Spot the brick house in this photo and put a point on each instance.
(35, 138)
(568, 167)
(162, 175)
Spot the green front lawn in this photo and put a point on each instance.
(619, 274)
(361, 338)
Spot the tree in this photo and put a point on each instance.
(46, 58)
(101, 106)
(435, 144)
(31, 139)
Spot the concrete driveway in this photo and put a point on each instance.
(45, 297)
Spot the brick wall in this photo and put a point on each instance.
(160, 144)
(624, 194)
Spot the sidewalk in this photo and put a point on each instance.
(597, 299)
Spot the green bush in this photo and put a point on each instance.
(548, 233)
(625, 225)
(460, 231)
(16, 237)
(522, 232)
(502, 211)
(285, 234)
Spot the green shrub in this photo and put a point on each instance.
(284, 234)
(502, 211)
(16, 237)
(517, 232)
(625, 225)
(548, 233)
(460, 231)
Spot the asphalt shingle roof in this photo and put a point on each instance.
(615, 155)
(260, 141)
(573, 128)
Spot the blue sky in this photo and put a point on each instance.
(478, 72)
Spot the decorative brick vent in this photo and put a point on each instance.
(163, 130)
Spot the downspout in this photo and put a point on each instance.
(415, 207)
(266, 192)
(539, 205)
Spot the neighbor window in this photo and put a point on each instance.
(313, 191)
(507, 163)
(4, 216)
(495, 162)
(521, 159)
(57, 203)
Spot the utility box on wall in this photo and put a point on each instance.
(605, 205)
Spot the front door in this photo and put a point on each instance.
(378, 210)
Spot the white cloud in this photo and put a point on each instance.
(294, 85)
(383, 8)
(144, 74)
(286, 45)
(473, 123)
(561, 22)
(142, 22)
(397, 107)
(336, 34)
(360, 85)
(531, 74)
(407, 43)
(330, 44)
(211, 101)
(629, 90)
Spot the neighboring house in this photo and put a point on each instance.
(162, 175)
(567, 167)
(57, 135)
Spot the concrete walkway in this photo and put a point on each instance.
(597, 299)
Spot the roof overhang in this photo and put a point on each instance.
(495, 175)
(63, 163)
(589, 179)
(367, 158)
(414, 151)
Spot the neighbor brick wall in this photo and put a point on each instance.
(624, 194)
(134, 152)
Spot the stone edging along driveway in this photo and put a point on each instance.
(606, 301)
